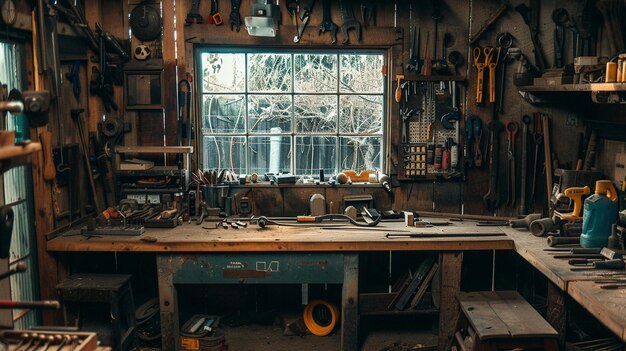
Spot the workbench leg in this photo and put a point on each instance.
(450, 270)
(168, 301)
(556, 313)
(350, 303)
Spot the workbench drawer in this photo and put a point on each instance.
(255, 268)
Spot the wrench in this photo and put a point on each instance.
(235, 17)
(505, 41)
(349, 21)
(525, 123)
(327, 23)
(511, 133)
(492, 198)
(538, 139)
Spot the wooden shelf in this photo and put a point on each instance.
(375, 304)
(609, 87)
(419, 78)
(154, 149)
(15, 155)
(14, 151)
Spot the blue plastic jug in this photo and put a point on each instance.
(599, 214)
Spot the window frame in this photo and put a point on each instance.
(293, 133)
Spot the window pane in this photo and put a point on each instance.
(269, 73)
(270, 154)
(361, 114)
(360, 153)
(269, 113)
(223, 73)
(361, 73)
(316, 113)
(315, 152)
(223, 114)
(315, 73)
(226, 152)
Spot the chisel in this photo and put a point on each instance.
(615, 264)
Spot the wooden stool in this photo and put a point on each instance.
(86, 290)
(501, 320)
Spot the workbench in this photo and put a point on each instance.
(608, 306)
(191, 254)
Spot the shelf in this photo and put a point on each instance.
(15, 155)
(156, 171)
(419, 78)
(154, 149)
(375, 304)
(609, 87)
(15, 151)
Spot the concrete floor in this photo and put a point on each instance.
(271, 338)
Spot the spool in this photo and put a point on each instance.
(320, 317)
(611, 72)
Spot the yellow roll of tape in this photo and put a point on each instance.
(320, 317)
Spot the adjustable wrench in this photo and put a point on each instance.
(349, 21)
(492, 198)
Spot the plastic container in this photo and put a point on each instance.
(599, 214)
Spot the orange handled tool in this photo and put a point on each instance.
(398, 95)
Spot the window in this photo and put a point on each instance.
(17, 192)
(292, 111)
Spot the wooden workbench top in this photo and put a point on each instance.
(194, 238)
(608, 306)
(533, 250)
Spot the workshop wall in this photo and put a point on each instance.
(57, 205)
(460, 18)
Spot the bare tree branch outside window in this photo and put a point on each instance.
(292, 112)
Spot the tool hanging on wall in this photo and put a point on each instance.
(414, 51)
(492, 65)
(504, 41)
(492, 198)
(76, 117)
(530, 15)
(511, 128)
(305, 15)
(184, 114)
(487, 55)
(235, 17)
(214, 16)
(368, 12)
(427, 67)
(559, 39)
(102, 78)
(523, 207)
(349, 21)
(327, 24)
(145, 21)
(194, 16)
(537, 133)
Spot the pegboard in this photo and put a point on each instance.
(422, 106)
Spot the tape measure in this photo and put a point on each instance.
(320, 317)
